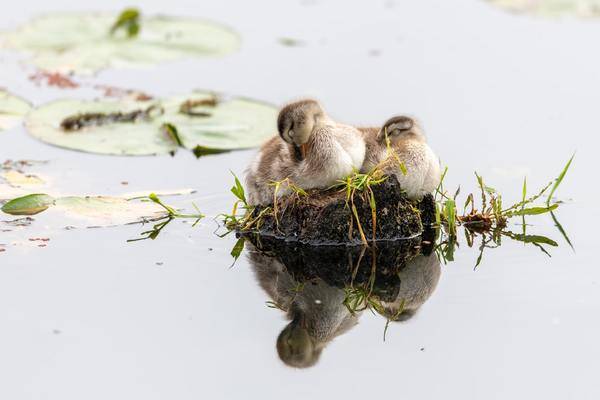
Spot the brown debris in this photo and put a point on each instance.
(53, 79)
(113, 91)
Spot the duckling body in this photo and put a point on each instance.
(410, 145)
(313, 151)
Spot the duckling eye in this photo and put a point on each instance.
(291, 133)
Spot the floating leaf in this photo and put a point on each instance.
(28, 205)
(12, 110)
(552, 8)
(534, 210)
(108, 211)
(237, 249)
(129, 21)
(234, 123)
(559, 180)
(139, 138)
(94, 210)
(18, 179)
(534, 239)
(82, 43)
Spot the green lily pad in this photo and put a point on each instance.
(12, 110)
(552, 8)
(82, 42)
(228, 124)
(28, 205)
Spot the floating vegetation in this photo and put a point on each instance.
(360, 209)
(489, 222)
(161, 223)
(92, 210)
(54, 79)
(552, 8)
(84, 43)
(190, 107)
(20, 179)
(290, 42)
(128, 21)
(12, 110)
(16, 182)
(129, 127)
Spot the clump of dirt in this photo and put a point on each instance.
(327, 218)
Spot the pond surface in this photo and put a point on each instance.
(91, 316)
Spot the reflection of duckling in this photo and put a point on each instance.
(316, 307)
(418, 280)
(409, 143)
(316, 311)
(314, 153)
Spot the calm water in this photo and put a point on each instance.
(90, 316)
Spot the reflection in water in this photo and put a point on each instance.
(325, 289)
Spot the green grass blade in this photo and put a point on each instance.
(559, 179)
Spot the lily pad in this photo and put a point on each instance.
(552, 8)
(82, 42)
(28, 205)
(12, 110)
(19, 179)
(93, 210)
(214, 123)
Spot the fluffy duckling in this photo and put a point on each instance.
(312, 150)
(408, 141)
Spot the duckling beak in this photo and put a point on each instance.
(300, 151)
(304, 150)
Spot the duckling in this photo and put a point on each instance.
(408, 141)
(312, 150)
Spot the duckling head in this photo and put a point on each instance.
(401, 127)
(296, 348)
(296, 123)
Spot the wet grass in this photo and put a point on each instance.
(161, 223)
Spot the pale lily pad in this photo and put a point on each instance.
(82, 43)
(552, 8)
(219, 124)
(140, 138)
(108, 211)
(92, 210)
(19, 179)
(12, 110)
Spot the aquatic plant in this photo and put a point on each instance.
(128, 21)
(150, 127)
(172, 214)
(69, 42)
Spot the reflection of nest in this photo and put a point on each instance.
(344, 266)
(326, 217)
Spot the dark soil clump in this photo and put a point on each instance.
(326, 217)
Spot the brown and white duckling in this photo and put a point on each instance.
(408, 141)
(312, 150)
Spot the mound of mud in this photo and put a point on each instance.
(327, 218)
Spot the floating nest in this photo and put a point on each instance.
(328, 217)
